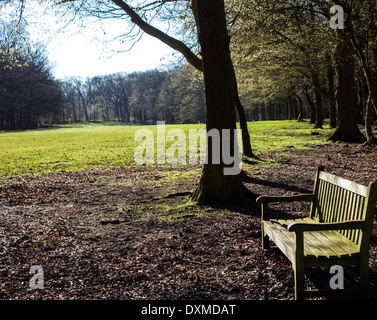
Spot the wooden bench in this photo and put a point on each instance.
(337, 231)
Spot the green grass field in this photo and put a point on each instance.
(94, 146)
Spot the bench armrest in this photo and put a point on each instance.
(345, 225)
(298, 197)
(265, 200)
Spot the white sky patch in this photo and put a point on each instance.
(86, 52)
(81, 55)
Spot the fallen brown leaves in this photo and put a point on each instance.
(71, 225)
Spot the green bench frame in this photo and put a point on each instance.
(337, 231)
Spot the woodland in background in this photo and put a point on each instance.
(28, 90)
(289, 63)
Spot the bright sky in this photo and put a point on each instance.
(83, 56)
(82, 52)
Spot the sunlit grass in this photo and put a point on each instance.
(77, 147)
(278, 135)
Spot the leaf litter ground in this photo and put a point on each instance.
(130, 233)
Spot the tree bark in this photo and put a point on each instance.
(318, 111)
(247, 150)
(295, 108)
(347, 129)
(290, 107)
(311, 105)
(368, 120)
(301, 109)
(318, 101)
(331, 90)
(215, 187)
(369, 79)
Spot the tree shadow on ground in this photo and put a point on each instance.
(271, 184)
(251, 207)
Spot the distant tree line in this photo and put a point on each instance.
(28, 91)
(141, 97)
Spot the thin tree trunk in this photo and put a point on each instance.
(318, 110)
(301, 109)
(331, 88)
(311, 105)
(368, 120)
(290, 107)
(295, 108)
(369, 106)
(247, 150)
(318, 102)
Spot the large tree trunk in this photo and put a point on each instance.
(247, 150)
(369, 79)
(347, 129)
(214, 185)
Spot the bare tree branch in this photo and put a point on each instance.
(154, 32)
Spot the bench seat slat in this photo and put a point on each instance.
(317, 244)
(340, 244)
(312, 247)
(284, 239)
(319, 248)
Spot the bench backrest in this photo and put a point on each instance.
(340, 200)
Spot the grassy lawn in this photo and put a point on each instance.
(279, 135)
(95, 145)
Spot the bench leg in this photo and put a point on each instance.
(298, 266)
(265, 240)
(299, 281)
